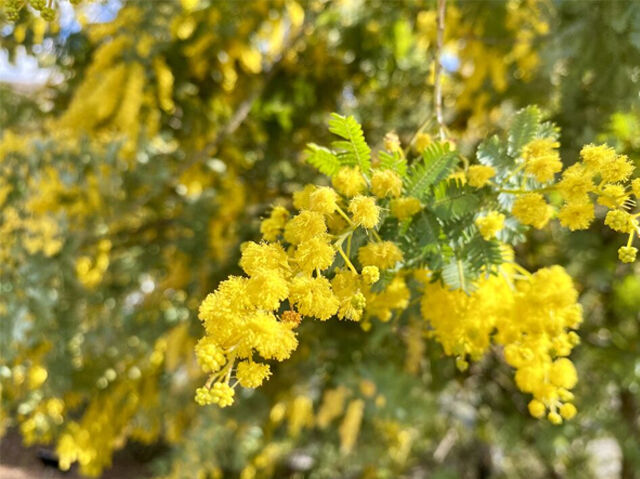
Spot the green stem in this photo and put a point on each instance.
(224, 371)
(514, 172)
(461, 274)
(345, 216)
(523, 191)
(346, 259)
(521, 269)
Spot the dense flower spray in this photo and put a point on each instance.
(435, 232)
(602, 177)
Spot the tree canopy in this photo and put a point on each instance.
(170, 138)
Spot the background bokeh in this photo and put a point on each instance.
(142, 141)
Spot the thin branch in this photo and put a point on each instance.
(437, 97)
(442, 5)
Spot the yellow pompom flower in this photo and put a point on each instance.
(37, 376)
(627, 254)
(252, 375)
(532, 209)
(233, 320)
(423, 140)
(403, 208)
(305, 226)
(323, 200)
(359, 301)
(370, 274)
(386, 183)
(272, 227)
(461, 322)
(302, 198)
(222, 394)
(392, 141)
(314, 254)
(490, 224)
(479, 175)
(219, 309)
(209, 355)
(529, 378)
(384, 254)
(272, 339)
(619, 169)
(266, 289)
(264, 256)
(346, 286)
(313, 297)
(619, 220)
(394, 297)
(613, 196)
(576, 182)
(594, 156)
(349, 181)
(203, 396)
(364, 210)
(568, 411)
(537, 408)
(554, 418)
(563, 373)
(542, 159)
(577, 215)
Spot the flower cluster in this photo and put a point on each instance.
(531, 315)
(602, 176)
(287, 279)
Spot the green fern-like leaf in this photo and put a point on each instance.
(353, 149)
(454, 200)
(437, 162)
(524, 128)
(420, 237)
(395, 162)
(492, 152)
(548, 129)
(426, 229)
(456, 275)
(323, 159)
(483, 255)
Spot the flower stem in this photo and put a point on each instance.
(344, 215)
(346, 259)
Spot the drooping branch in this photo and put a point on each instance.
(437, 98)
